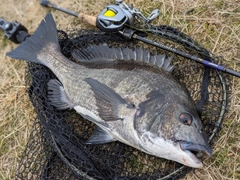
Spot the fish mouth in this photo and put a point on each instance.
(192, 149)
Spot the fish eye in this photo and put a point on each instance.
(186, 119)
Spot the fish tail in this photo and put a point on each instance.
(45, 34)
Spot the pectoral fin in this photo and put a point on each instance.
(108, 101)
(99, 136)
(57, 95)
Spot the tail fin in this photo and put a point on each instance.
(46, 33)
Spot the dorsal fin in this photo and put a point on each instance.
(104, 53)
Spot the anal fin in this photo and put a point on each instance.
(57, 95)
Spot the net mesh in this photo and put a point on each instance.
(56, 148)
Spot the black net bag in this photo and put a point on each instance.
(56, 148)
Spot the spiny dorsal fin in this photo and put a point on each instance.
(103, 53)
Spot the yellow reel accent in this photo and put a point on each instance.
(109, 13)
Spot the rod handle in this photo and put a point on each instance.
(88, 19)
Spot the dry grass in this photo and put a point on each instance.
(215, 24)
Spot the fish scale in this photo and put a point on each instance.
(118, 80)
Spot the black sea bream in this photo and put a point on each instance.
(149, 111)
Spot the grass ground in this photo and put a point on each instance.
(215, 24)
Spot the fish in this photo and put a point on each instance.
(150, 111)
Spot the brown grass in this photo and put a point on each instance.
(215, 24)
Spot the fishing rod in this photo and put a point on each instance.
(118, 17)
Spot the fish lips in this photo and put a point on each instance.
(189, 148)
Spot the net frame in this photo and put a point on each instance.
(49, 139)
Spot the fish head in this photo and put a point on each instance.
(172, 130)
